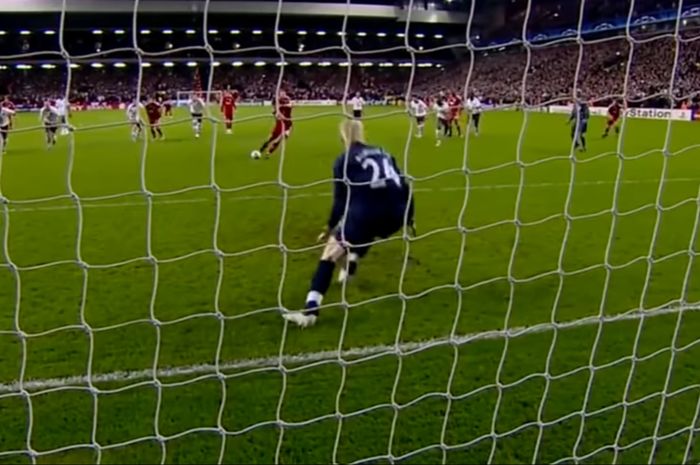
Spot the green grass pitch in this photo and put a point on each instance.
(472, 272)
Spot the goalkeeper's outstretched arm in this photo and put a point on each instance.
(340, 197)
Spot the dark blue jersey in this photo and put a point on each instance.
(368, 183)
(580, 114)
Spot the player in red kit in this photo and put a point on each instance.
(455, 104)
(283, 124)
(167, 107)
(228, 108)
(7, 103)
(153, 111)
(614, 112)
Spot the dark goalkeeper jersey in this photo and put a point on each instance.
(373, 183)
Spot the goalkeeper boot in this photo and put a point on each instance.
(301, 319)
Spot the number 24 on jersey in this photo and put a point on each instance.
(382, 170)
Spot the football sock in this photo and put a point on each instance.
(319, 285)
(352, 268)
(274, 146)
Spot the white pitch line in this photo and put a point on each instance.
(327, 355)
(89, 204)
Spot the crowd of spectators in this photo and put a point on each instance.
(643, 72)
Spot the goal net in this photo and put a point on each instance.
(545, 311)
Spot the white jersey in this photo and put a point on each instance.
(5, 116)
(474, 105)
(49, 116)
(357, 103)
(442, 110)
(197, 106)
(61, 107)
(419, 108)
(132, 112)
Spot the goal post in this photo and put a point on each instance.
(546, 310)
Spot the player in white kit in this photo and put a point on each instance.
(419, 110)
(442, 110)
(51, 120)
(134, 117)
(197, 109)
(358, 104)
(474, 106)
(62, 109)
(6, 115)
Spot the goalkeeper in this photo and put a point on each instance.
(578, 120)
(371, 199)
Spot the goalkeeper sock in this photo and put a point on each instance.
(319, 285)
(352, 263)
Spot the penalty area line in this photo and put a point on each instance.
(239, 198)
(327, 355)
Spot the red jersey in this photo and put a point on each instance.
(283, 109)
(228, 102)
(8, 104)
(455, 105)
(153, 111)
(614, 110)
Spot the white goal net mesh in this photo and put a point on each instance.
(580, 375)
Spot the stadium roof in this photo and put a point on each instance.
(229, 29)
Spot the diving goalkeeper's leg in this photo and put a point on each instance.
(320, 283)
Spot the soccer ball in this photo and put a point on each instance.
(255, 154)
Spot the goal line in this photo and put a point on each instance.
(349, 356)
